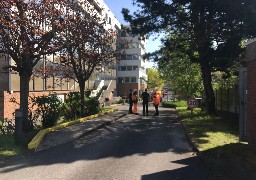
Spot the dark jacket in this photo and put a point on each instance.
(145, 97)
(130, 98)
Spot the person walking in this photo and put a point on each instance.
(145, 98)
(156, 102)
(135, 102)
(130, 102)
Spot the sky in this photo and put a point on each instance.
(116, 7)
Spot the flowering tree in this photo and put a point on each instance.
(27, 32)
(87, 45)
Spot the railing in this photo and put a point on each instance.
(96, 91)
(107, 93)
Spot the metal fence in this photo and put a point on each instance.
(227, 100)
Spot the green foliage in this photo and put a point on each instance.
(48, 109)
(221, 80)
(210, 131)
(213, 32)
(183, 76)
(92, 106)
(87, 92)
(7, 127)
(154, 79)
(32, 116)
(71, 106)
(172, 104)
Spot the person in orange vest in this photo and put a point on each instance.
(135, 102)
(156, 102)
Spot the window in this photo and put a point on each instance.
(123, 68)
(127, 79)
(123, 56)
(129, 57)
(120, 80)
(135, 57)
(129, 68)
(133, 79)
(134, 68)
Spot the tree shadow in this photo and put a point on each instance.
(132, 136)
(232, 161)
(188, 169)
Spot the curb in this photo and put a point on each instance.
(191, 142)
(40, 135)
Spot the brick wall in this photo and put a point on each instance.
(124, 88)
(251, 104)
(1, 105)
(7, 108)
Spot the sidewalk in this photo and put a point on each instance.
(72, 132)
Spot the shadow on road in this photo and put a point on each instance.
(132, 135)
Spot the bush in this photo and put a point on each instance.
(32, 116)
(48, 108)
(172, 104)
(169, 105)
(71, 106)
(92, 106)
(7, 126)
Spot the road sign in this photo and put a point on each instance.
(192, 103)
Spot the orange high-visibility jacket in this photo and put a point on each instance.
(156, 99)
(135, 98)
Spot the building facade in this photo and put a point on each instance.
(131, 69)
(50, 81)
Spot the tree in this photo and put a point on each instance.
(27, 31)
(87, 44)
(182, 75)
(215, 30)
(154, 79)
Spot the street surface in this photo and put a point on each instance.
(135, 147)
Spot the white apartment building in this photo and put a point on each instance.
(131, 72)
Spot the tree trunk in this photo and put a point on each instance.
(82, 96)
(24, 94)
(209, 94)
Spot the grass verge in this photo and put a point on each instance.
(8, 147)
(217, 138)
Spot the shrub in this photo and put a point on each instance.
(7, 126)
(32, 116)
(48, 108)
(172, 104)
(71, 106)
(92, 106)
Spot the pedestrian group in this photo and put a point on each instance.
(133, 101)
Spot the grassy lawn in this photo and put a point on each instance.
(217, 138)
(8, 148)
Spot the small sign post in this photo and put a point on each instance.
(192, 103)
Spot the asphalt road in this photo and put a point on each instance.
(135, 147)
